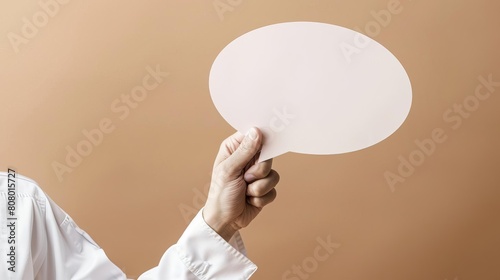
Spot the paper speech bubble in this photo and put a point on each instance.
(312, 88)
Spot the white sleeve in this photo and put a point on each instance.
(50, 246)
(202, 254)
(45, 243)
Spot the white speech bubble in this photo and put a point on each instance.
(312, 88)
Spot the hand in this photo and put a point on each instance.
(240, 188)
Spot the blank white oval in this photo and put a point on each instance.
(327, 88)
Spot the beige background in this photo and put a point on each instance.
(440, 223)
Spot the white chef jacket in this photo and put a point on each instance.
(50, 246)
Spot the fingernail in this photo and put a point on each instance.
(252, 133)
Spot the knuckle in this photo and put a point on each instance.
(257, 202)
(254, 189)
(260, 190)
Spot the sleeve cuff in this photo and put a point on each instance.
(208, 256)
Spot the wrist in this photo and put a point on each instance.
(225, 230)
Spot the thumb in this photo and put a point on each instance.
(245, 152)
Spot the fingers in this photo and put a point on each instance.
(262, 187)
(239, 156)
(262, 192)
(262, 201)
(258, 171)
